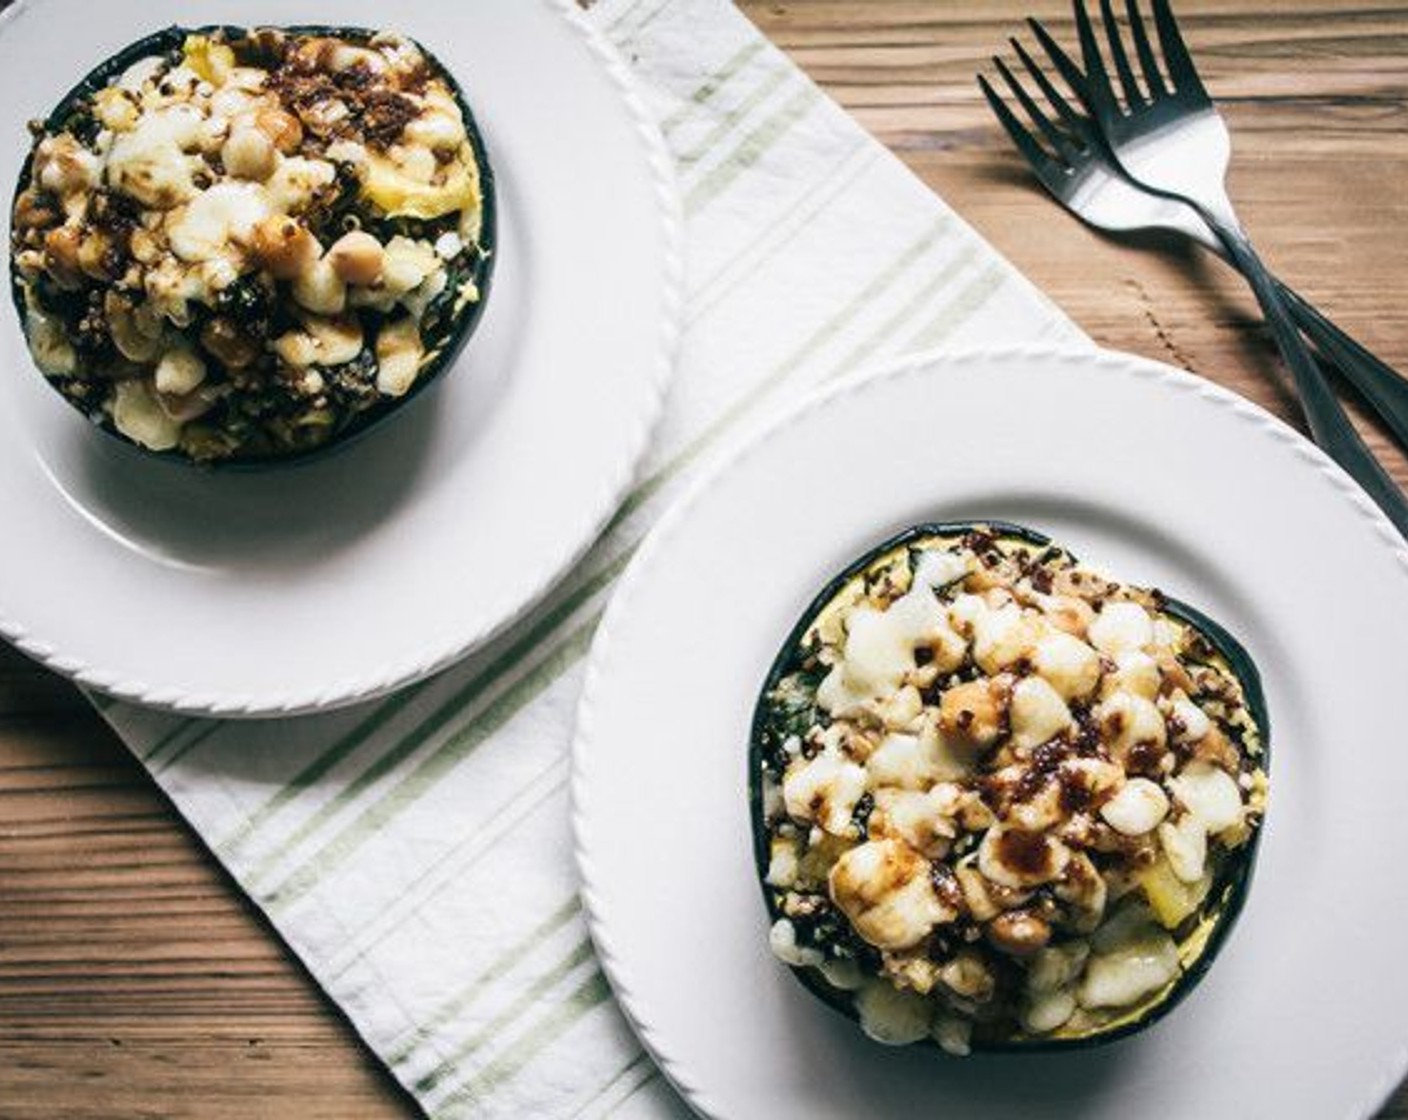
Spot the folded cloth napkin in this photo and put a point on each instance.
(414, 852)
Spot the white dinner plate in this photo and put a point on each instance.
(1153, 474)
(320, 584)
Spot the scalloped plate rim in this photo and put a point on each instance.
(677, 1067)
(386, 678)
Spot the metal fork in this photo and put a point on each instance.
(1084, 176)
(1172, 140)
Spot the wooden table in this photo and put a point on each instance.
(134, 978)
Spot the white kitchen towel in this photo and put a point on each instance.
(414, 852)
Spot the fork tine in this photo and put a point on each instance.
(1099, 95)
(1152, 77)
(1063, 62)
(1044, 166)
(1181, 70)
(1133, 96)
(1054, 136)
(1069, 117)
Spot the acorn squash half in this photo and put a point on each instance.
(269, 367)
(874, 821)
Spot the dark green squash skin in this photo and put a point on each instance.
(445, 348)
(1228, 894)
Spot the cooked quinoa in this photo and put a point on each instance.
(1001, 797)
(244, 245)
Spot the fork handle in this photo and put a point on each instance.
(1328, 422)
(1380, 384)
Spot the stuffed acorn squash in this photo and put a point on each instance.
(237, 245)
(999, 800)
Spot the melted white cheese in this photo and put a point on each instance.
(1129, 972)
(965, 610)
(939, 567)
(1136, 673)
(1210, 794)
(1194, 720)
(1139, 807)
(180, 371)
(296, 181)
(1048, 1011)
(917, 818)
(1131, 719)
(1071, 666)
(1038, 714)
(891, 1016)
(880, 644)
(217, 220)
(1185, 843)
(782, 863)
(150, 163)
(1056, 966)
(1048, 859)
(141, 72)
(884, 888)
(879, 648)
(782, 939)
(1121, 626)
(824, 790)
(1003, 636)
(909, 762)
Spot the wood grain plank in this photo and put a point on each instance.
(135, 980)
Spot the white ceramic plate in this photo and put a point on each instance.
(317, 585)
(1161, 478)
